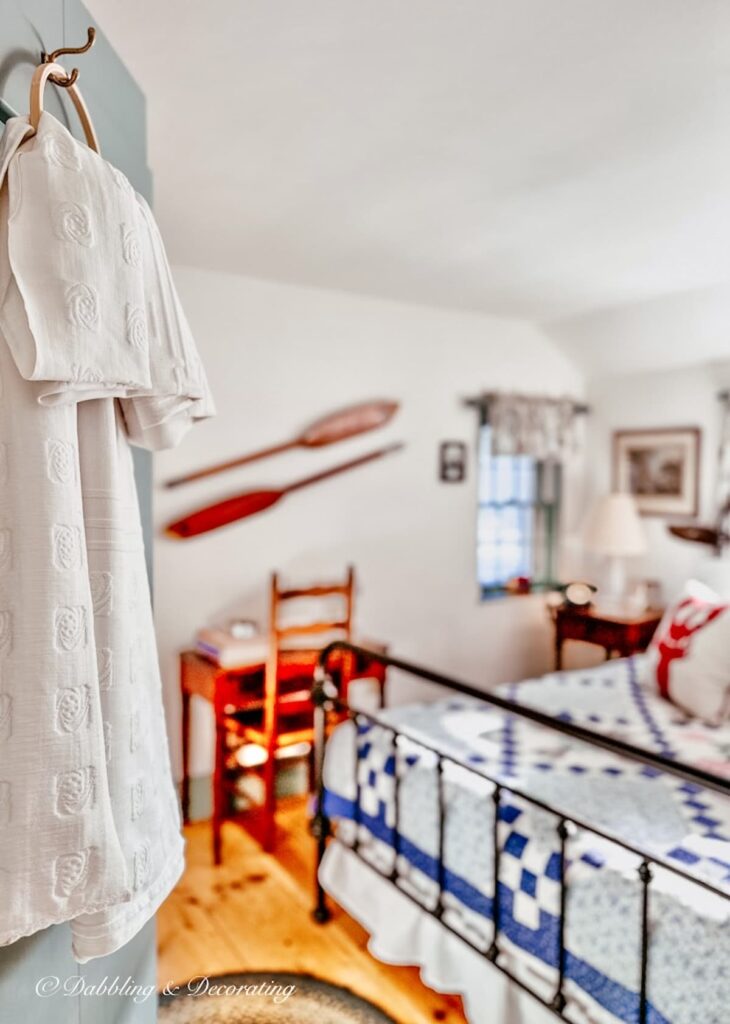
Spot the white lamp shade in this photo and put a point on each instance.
(614, 527)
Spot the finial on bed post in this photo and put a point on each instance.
(319, 686)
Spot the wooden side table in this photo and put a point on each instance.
(241, 689)
(227, 690)
(618, 633)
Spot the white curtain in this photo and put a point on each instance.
(723, 475)
(545, 428)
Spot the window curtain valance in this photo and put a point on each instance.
(536, 425)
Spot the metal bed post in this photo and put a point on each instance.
(645, 875)
(356, 754)
(441, 874)
(320, 825)
(563, 831)
(493, 952)
(396, 807)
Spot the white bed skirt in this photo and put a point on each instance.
(402, 933)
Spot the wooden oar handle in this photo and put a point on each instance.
(342, 467)
(220, 467)
(338, 426)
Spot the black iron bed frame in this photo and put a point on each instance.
(328, 702)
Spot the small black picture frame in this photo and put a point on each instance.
(452, 462)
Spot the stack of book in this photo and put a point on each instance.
(230, 651)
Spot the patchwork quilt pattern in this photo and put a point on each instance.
(680, 823)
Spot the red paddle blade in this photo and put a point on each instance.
(223, 513)
(248, 504)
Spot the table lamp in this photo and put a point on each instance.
(614, 530)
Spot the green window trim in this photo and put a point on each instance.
(518, 520)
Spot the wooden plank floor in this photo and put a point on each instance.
(253, 913)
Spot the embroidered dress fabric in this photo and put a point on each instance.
(95, 352)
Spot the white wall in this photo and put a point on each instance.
(677, 397)
(277, 357)
(680, 329)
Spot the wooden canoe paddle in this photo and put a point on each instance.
(716, 536)
(250, 502)
(338, 426)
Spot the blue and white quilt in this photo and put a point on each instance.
(689, 966)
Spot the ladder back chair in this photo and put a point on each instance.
(294, 646)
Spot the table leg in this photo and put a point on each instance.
(379, 671)
(185, 788)
(219, 787)
(558, 651)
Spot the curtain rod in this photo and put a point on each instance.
(579, 408)
(479, 401)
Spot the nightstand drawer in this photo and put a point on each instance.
(623, 635)
(578, 627)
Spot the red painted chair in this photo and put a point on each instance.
(280, 715)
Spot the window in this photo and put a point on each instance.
(519, 502)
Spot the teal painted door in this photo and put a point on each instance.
(118, 110)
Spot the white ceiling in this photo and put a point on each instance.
(528, 158)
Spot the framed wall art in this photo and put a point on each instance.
(660, 468)
(452, 462)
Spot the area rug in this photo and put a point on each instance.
(265, 999)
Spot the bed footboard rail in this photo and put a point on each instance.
(329, 707)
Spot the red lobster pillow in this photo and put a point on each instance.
(691, 648)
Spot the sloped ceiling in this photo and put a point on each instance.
(530, 159)
(681, 329)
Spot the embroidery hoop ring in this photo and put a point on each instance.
(38, 83)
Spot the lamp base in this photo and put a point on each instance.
(616, 579)
(615, 598)
(612, 597)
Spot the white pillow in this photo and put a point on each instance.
(691, 649)
(693, 588)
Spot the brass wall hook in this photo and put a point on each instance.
(71, 76)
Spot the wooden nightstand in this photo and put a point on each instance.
(618, 633)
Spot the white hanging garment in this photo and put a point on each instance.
(95, 352)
